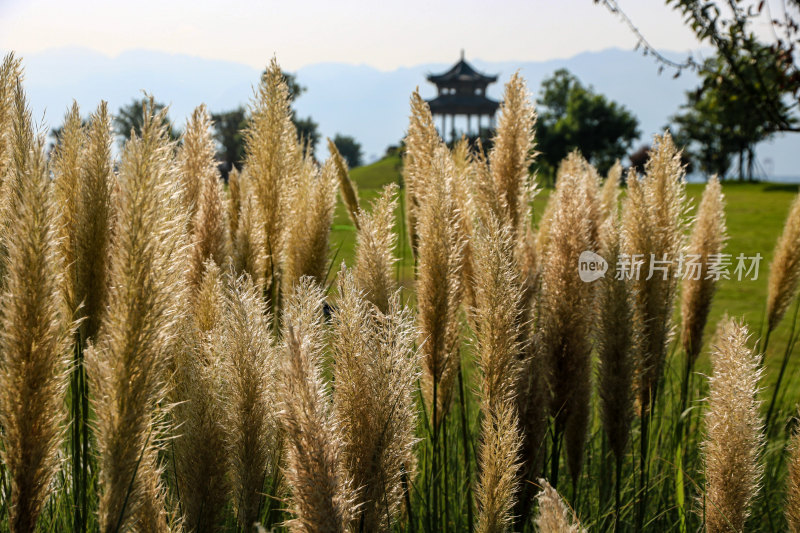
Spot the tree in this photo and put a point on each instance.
(761, 74)
(573, 116)
(228, 128)
(350, 149)
(130, 118)
(716, 124)
(307, 131)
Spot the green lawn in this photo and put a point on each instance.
(755, 218)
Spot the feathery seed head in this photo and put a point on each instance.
(734, 431)
(784, 271)
(375, 373)
(35, 331)
(249, 362)
(565, 323)
(439, 284)
(196, 160)
(705, 245)
(375, 248)
(322, 495)
(498, 459)
(653, 230)
(496, 317)
(129, 361)
(421, 142)
(312, 201)
(347, 188)
(512, 153)
(554, 516)
(273, 159)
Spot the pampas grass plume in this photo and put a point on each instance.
(375, 247)
(554, 516)
(376, 373)
(421, 142)
(793, 485)
(706, 242)
(35, 332)
(784, 271)
(498, 458)
(439, 286)
(734, 431)
(322, 498)
(128, 363)
(250, 379)
(347, 188)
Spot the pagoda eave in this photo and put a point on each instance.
(462, 104)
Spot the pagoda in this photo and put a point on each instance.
(462, 91)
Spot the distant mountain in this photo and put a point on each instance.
(357, 100)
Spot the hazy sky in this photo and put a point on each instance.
(385, 35)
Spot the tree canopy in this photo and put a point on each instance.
(758, 71)
(572, 116)
(716, 124)
(350, 150)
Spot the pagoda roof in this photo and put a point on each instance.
(461, 72)
(463, 104)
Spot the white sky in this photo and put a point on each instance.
(382, 34)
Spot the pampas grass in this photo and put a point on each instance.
(199, 414)
(554, 516)
(609, 193)
(734, 431)
(272, 161)
(497, 319)
(498, 459)
(653, 227)
(249, 256)
(83, 182)
(347, 189)
(36, 328)
(421, 142)
(705, 245)
(784, 271)
(127, 365)
(249, 385)
(203, 197)
(375, 244)
(614, 340)
(793, 485)
(566, 318)
(234, 202)
(322, 498)
(439, 287)
(195, 160)
(312, 200)
(10, 76)
(229, 391)
(512, 153)
(376, 373)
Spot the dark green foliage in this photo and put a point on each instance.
(718, 122)
(228, 128)
(571, 115)
(350, 150)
